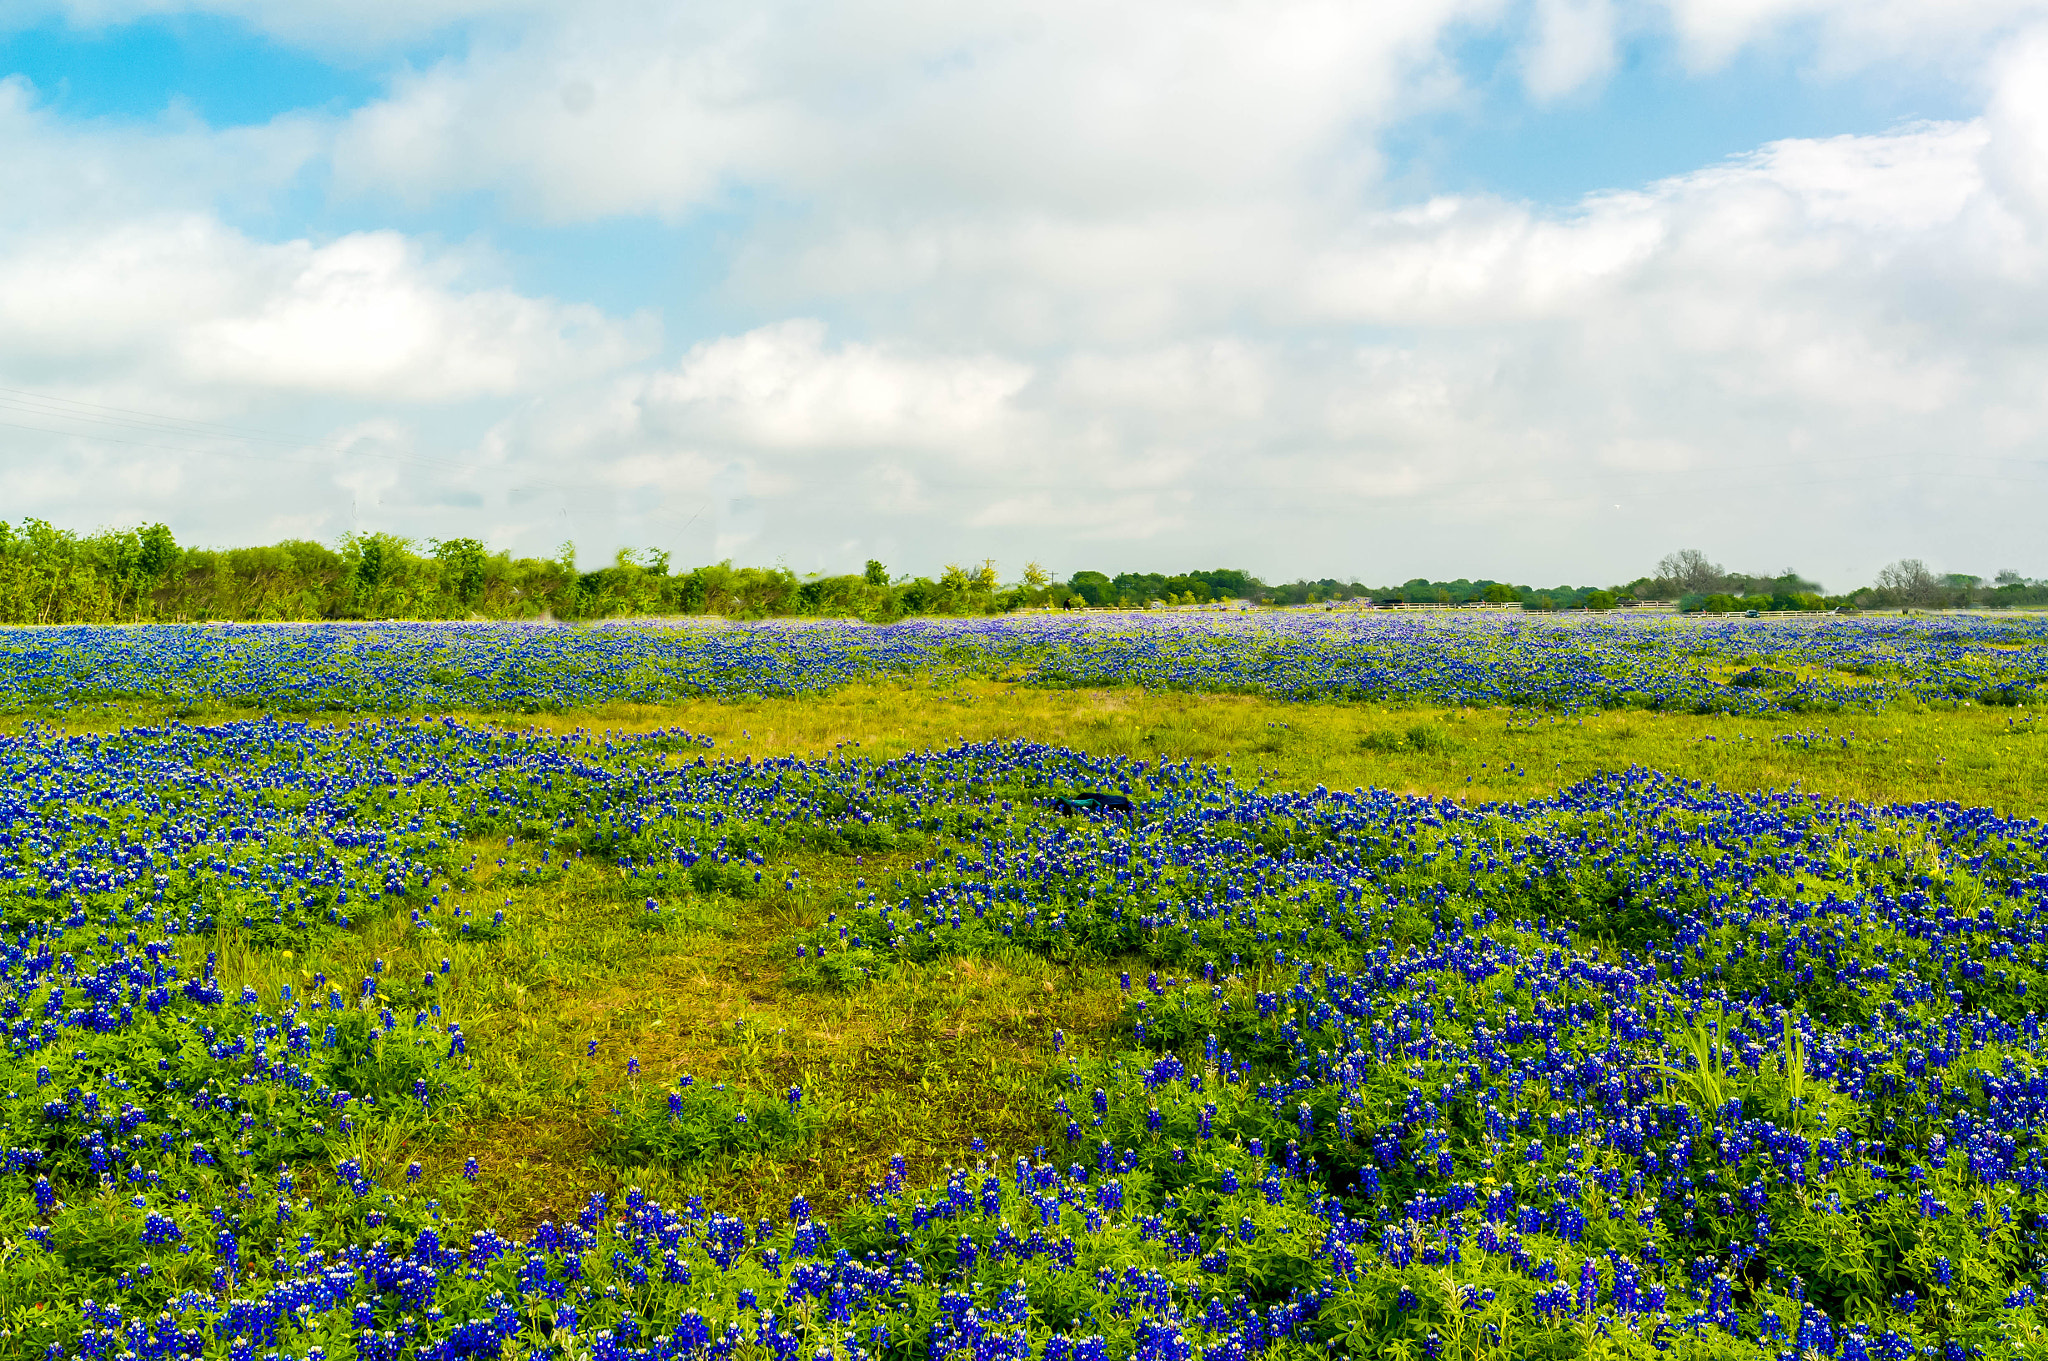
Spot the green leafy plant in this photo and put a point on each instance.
(690, 1123)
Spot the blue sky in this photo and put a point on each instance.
(1649, 119)
(217, 68)
(1540, 290)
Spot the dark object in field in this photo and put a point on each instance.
(1092, 802)
(1759, 678)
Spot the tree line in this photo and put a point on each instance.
(1696, 583)
(50, 575)
(1687, 579)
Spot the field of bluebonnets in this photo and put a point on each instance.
(1206, 1069)
(1806, 663)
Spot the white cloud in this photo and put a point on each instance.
(959, 39)
(782, 388)
(58, 173)
(186, 300)
(1116, 282)
(1853, 33)
(897, 114)
(1574, 46)
(157, 362)
(902, 107)
(1761, 355)
(2017, 158)
(371, 315)
(649, 117)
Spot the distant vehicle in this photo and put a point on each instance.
(1749, 614)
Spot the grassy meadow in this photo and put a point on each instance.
(1374, 1045)
(928, 1056)
(1980, 755)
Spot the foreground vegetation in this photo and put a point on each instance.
(817, 1022)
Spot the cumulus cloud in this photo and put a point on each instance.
(1574, 46)
(1112, 282)
(1052, 109)
(1852, 33)
(782, 388)
(158, 362)
(1838, 328)
(1060, 107)
(187, 300)
(2017, 157)
(59, 173)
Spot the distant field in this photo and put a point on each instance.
(1721, 664)
(1396, 1026)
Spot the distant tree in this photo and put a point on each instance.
(1688, 572)
(1788, 584)
(2014, 589)
(375, 560)
(372, 561)
(1909, 581)
(463, 563)
(1093, 587)
(1036, 577)
(1500, 593)
(156, 553)
(1229, 584)
(876, 574)
(142, 560)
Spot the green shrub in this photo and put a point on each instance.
(694, 1122)
(1763, 678)
(1428, 737)
(734, 881)
(369, 1062)
(833, 970)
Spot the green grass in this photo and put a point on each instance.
(1994, 757)
(1971, 755)
(919, 1059)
